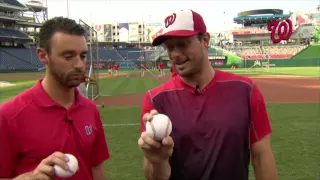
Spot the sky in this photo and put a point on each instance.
(218, 14)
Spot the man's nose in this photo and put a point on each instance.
(175, 53)
(80, 63)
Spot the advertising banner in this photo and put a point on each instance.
(134, 32)
(123, 32)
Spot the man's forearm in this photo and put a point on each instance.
(99, 172)
(265, 168)
(161, 171)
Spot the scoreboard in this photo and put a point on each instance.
(218, 60)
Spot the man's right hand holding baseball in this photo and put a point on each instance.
(156, 154)
(45, 170)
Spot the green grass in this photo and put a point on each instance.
(126, 85)
(7, 93)
(295, 138)
(311, 52)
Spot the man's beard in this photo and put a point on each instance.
(69, 79)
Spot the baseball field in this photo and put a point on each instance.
(292, 96)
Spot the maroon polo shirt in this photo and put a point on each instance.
(33, 126)
(212, 129)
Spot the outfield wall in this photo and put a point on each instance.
(311, 52)
(286, 62)
(218, 63)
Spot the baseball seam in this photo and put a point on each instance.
(153, 129)
(167, 128)
(70, 170)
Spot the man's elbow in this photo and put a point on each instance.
(262, 159)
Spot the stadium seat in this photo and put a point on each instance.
(272, 51)
(19, 58)
(13, 3)
(11, 33)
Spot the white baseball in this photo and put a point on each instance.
(160, 127)
(73, 167)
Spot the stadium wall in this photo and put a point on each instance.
(286, 62)
(311, 52)
(127, 64)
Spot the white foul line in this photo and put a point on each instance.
(114, 125)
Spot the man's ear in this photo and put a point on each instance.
(206, 39)
(42, 55)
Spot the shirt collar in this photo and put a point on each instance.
(46, 101)
(179, 81)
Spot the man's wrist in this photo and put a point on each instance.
(161, 170)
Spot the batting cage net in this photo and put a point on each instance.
(146, 58)
(92, 86)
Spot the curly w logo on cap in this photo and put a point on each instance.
(183, 23)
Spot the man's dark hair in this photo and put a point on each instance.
(58, 24)
(200, 36)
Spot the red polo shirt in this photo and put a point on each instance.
(143, 67)
(173, 72)
(116, 67)
(161, 65)
(33, 126)
(212, 129)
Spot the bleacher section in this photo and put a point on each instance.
(26, 58)
(131, 53)
(19, 59)
(12, 3)
(13, 34)
(13, 52)
(14, 58)
(250, 30)
(109, 54)
(271, 51)
(211, 51)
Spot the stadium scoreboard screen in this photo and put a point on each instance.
(217, 57)
(218, 60)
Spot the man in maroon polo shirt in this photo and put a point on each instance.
(40, 125)
(219, 119)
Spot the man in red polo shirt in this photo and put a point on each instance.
(143, 70)
(110, 67)
(173, 72)
(40, 125)
(116, 68)
(219, 119)
(161, 66)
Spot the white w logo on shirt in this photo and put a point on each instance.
(88, 130)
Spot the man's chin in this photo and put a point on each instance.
(73, 85)
(185, 73)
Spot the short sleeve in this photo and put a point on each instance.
(100, 151)
(147, 106)
(7, 150)
(260, 124)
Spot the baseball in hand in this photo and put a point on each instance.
(73, 167)
(160, 127)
